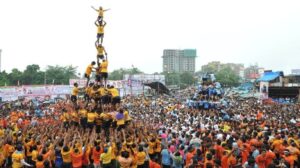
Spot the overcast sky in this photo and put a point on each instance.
(62, 32)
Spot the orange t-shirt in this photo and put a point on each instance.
(259, 115)
(96, 156)
(245, 155)
(224, 162)
(76, 159)
(270, 156)
(290, 160)
(261, 161)
(232, 161)
(219, 151)
(189, 158)
(153, 164)
(39, 164)
(254, 142)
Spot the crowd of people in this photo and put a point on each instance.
(144, 132)
(103, 130)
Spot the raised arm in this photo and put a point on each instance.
(94, 8)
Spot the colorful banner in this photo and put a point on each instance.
(82, 83)
(13, 93)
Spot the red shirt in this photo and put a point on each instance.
(261, 161)
(189, 157)
(224, 162)
(153, 164)
(270, 156)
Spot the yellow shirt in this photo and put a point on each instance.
(1, 133)
(89, 70)
(88, 91)
(66, 156)
(120, 122)
(65, 117)
(75, 91)
(82, 113)
(101, 29)
(126, 116)
(151, 147)
(114, 92)
(141, 156)
(16, 159)
(34, 155)
(74, 116)
(101, 12)
(106, 157)
(104, 66)
(91, 117)
(103, 91)
(113, 151)
(100, 50)
(158, 146)
(105, 116)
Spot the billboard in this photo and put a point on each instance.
(82, 83)
(295, 71)
(32, 91)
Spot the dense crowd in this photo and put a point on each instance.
(151, 132)
(194, 128)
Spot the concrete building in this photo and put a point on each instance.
(253, 72)
(295, 71)
(179, 61)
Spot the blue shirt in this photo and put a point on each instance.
(166, 157)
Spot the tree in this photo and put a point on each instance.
(33, 75)
(15, 77)
(187, 78)
(60, 74)
(182, 80)
(227, 77)
(119, 73)
(4, 79)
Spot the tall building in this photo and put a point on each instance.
(179, 61)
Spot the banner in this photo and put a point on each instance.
(82, 83)
(13, 93)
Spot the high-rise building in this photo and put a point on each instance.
(179, 61)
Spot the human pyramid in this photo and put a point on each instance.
(101, 102)
(98, 91)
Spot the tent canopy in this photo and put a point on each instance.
(269, 76)
(159, 87)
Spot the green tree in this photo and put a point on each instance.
(60, 74)
(4, 79)
(172, 78)
(119, 73)
(15, 77)
(227, 77)
(32, 75)
(187, 78)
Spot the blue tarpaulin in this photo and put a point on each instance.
(269, 76)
